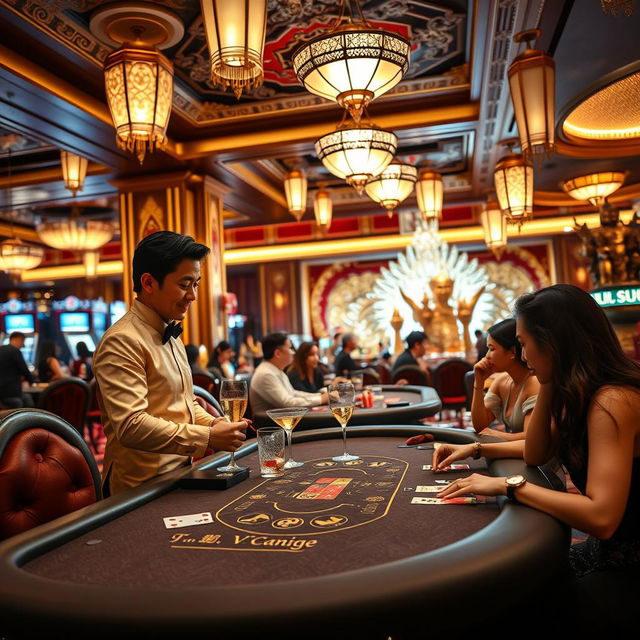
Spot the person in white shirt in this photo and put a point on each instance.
(270, 386)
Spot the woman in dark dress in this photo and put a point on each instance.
(586, 414)
(305, 375)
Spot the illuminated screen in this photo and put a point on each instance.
(74, 322)
(19, 322)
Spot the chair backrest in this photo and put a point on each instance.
(448, 377)
(205, 380)
(207, 401)
(384, 371)
(67, 398)
(413, 374)
(46, 470)
(468, 388)
(370, 376)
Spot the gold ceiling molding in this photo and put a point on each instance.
(253, 180)
(435, 116)
(64, 272)
(24, 233)
(46, 175)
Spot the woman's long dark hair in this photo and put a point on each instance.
(504, 333)
(585, 353)
(223, 345)
(299, 364)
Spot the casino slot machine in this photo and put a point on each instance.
(21, 316)
(75, 327)
(117, 309)
(99, 319)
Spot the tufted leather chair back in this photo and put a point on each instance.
(205, 380)
(384, 371)
(46, 470)
(207, 401)
(448, 379)
(69, 399)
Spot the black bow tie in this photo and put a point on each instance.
(173, 330)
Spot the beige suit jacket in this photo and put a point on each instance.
(145, 393)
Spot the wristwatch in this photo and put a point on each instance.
(513, 482)
(478, 450)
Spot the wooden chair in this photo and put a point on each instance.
(46, 470)
(384, 371)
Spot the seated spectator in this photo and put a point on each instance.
(220, 364)
(304, 373)
(82, 366)
(270, 387)
(481, 344)
(513, 391)
(417, 344)
(13, 369)
(193, 353)
(344, 363)
(49, 367)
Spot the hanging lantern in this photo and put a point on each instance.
(393, 185)
(357, 153)
(532, 81)
(235, 32)
(295, 189)
(429, 191)
(323, 208)
(17, 256)
(494, 226)
(352, 62)
(595, 187)
(74, 171)
(75, 235)
(139, 86)
(513, 178)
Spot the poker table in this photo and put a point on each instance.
(329, 549)
(414, 402)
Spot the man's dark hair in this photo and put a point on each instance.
(192, 353)
(161, 252)
(346, 339)
(271, 342)
(414, 337)
(16, 334)
(477, 333)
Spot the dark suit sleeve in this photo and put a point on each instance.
(22, 366)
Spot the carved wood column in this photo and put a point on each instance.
(189, 204)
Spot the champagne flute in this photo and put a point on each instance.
(233, 400)
(288, 418)
(341, 401)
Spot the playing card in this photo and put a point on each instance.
(453, 467)
(420, 500)
(174, 522)
(424, 488)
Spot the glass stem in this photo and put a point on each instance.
(289, 439)
(232, 462)
(344, 438)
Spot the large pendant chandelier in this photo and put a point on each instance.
(352, 62)
(17, 256)
(513, 176)
(429, 192)
(295, 189)
(235, 32)
(74, 171)
(494, 226)
(323, 208)
(595, 187)
(393, 185)
(357, 152)
(138, 78)
(532, 81)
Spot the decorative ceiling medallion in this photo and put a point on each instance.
(611, 113)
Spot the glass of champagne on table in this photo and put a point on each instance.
(342, 398)
(233, 400)
(288, 418)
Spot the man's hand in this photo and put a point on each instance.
(227, 436)
(324, 398)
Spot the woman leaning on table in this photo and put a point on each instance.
(586, 414)
(512, 394)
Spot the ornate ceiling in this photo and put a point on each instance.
(450, 111)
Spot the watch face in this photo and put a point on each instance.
(515, 480)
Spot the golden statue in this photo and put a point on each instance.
(441, 323)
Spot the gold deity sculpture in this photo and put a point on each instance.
(613, 249)
(440, 323)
